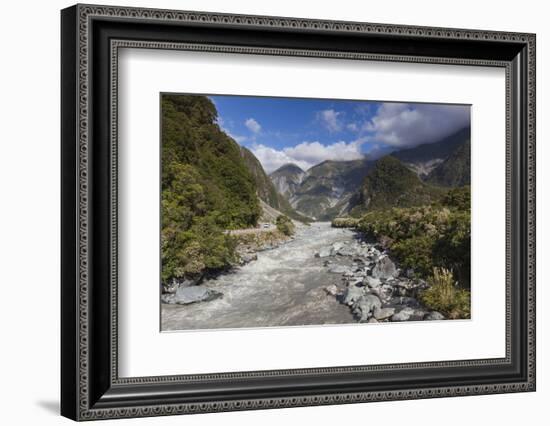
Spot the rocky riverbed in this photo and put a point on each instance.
(323, 276)
(371, 284)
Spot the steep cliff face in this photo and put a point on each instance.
(266, 189)
(324, 191)
(287, 179)
(455, 170)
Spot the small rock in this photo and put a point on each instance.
(167, 298)
(357, 282)
(248, 257)
(372, 320)
(170, 288)
(434, 316)
(402, 315)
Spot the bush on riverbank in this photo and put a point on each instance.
(284, 225)
(255, 241)
(345, 222)
(191, 239)
(444, 296)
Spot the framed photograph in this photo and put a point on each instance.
(263, 212)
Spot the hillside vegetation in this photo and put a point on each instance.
(426, 237)
(206, 189)
(391, 184)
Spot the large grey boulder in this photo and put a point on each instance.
(339, 269)
(383, 313)
(187, 295)
(347, 250)
(384, 268)
(365, 306)
(352, 295)
(373, 282)
(410, 302)
(434, 316)
(403, 315)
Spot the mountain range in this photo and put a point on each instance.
(267, 191)
(411, 176)
(425, 159)
(237, 191)
(324, 191)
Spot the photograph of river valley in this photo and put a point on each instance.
(292, 212)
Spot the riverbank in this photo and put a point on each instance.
(323, 276)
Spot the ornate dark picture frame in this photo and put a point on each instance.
(90, 385)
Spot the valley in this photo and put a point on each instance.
(363, 240)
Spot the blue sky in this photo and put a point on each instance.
(309, 131)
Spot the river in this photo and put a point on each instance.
(283, 287)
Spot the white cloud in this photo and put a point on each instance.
(402, 125)
(307, 154)
(253, 125)
(330, 119)
(272, 159)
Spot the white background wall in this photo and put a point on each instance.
(29, 213)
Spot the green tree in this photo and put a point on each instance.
(206, 189)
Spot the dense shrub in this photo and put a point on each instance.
(345, 222)
(191, 238)
(458, 198)
(426, 237)
(444, 296)
(284, 225)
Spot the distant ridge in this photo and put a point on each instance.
(424, 158)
